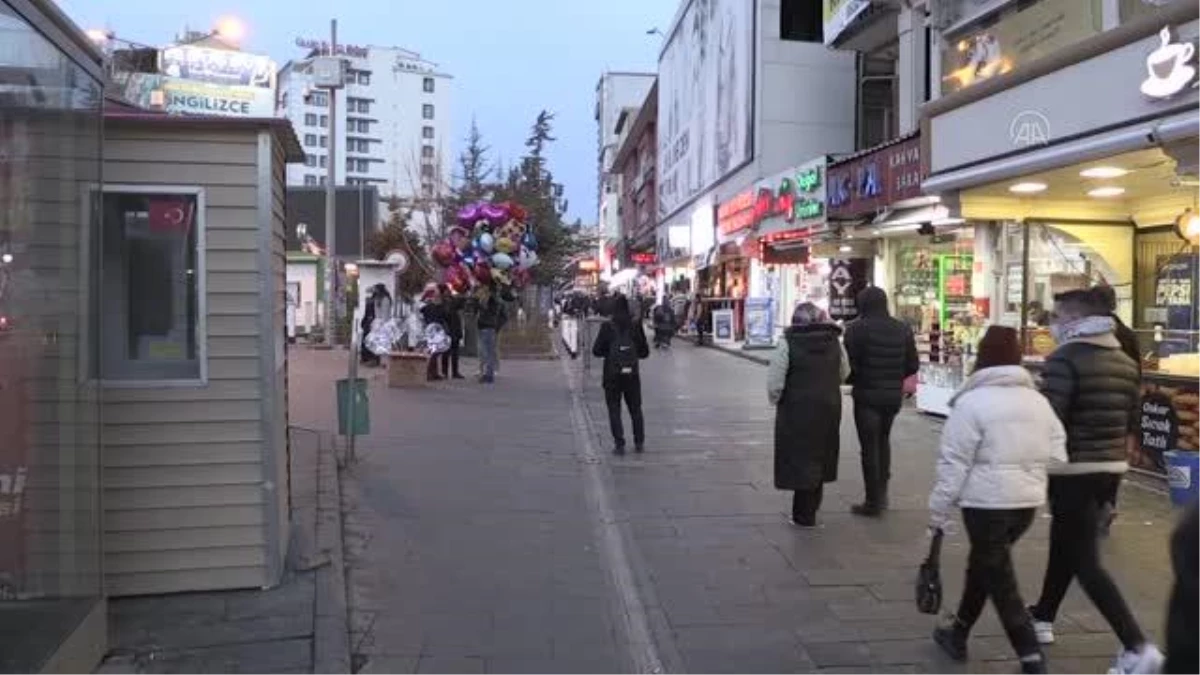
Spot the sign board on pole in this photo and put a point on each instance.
(722, 326)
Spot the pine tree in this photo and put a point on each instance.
(473, 176)
(396, 235)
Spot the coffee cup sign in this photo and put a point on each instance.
(1169, 70)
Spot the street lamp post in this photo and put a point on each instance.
(330, 198)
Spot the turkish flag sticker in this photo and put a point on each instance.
(170, 215)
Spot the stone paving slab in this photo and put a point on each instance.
(704, 509)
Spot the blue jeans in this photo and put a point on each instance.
(487, 352)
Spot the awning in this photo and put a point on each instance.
(900, 220)
(1154, 133)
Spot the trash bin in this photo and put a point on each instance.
(362, 407)
(1182, 469)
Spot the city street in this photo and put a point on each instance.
(489, 529)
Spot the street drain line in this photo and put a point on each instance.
(634, 621)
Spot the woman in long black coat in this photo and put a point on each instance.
(804, 384)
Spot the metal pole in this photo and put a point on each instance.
(333, 305)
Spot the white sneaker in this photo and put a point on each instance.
(1043, 629)
(1148, 659)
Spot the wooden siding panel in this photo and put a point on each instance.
(146, 583)
(184, 559)
(179, 455)
(183, 475)
(184, 539)
(208, 432)
(182, 497)
(243, 473)
(172, 412)
(169, 519)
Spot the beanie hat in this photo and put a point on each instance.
(1000, 346)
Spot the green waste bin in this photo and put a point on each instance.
(362, 407)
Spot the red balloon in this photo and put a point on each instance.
(443, 253)
(457, 278)
(483, 272)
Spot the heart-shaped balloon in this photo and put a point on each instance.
(502, 261)
(468, 214)
(495, 214)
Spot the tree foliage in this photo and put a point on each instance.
(396, 235)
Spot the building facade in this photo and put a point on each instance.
(393, 127)
(747, 89)
(635, 164)
(616, 92)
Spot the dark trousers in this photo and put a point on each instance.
(450, 358)
(805, 504)
(874, 426)
(990, 573)
(629, 388)
(1075, 503)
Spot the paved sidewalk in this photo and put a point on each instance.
(299, 626)
(743, 591)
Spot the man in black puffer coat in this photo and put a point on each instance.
(882, 353)
(1095, 390)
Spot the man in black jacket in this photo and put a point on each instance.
(882, 353)
(621, 342)
(1106, 305)
(1095, 390)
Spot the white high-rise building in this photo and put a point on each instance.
(393, 122)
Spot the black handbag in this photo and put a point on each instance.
(929, 578)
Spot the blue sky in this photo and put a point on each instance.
(510, 58)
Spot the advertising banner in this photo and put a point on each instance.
(705, 71)
(838, 14)
(217, 66)
(185, 97)
(875, 180)
(1021, 37)
(847, 276)
(722, 326)
(760, 322)
(1174, 291)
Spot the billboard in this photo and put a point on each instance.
(705, 99)
(188, 97)
(217, 66)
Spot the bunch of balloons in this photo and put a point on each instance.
(492, 247)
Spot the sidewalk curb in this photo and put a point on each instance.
(331, 618)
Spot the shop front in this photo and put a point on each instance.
(52, 607)
(1070, 197)
(783, 273)
(922, 256)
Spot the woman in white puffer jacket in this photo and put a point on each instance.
(1000, 438)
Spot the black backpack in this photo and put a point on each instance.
(622, 352)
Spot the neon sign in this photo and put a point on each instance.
(643, 258)
(792, 199)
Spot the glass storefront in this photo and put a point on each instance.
(50, 154)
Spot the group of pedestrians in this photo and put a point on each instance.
(1008, 443)
(441, 307)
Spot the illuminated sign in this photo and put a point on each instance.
(643, 258)
(322, 47)
(793, 199)
(589, 265)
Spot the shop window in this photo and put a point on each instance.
(801, 21)
(151, 279)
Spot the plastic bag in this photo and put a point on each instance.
(383, 336)
(436, 339)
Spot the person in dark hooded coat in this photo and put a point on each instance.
(882, 354)
(804, 383)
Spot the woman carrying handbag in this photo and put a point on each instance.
(997, 443)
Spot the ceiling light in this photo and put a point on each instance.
(844, 249)
(1103, 172)
(1106, 191)
(1027, 188)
